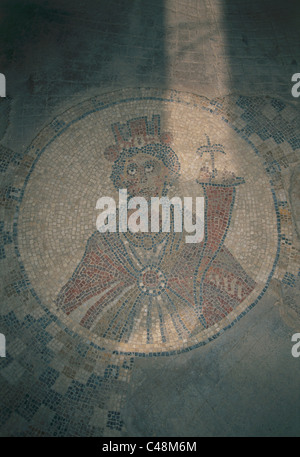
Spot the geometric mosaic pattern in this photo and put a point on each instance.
(87, 303)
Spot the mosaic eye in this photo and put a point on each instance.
(149, 167)
(132, 169)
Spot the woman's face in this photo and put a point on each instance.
(144, 176)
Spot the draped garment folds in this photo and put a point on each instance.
(155, 284)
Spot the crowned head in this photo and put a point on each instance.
(143, 163)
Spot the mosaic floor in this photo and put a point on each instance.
(97, 284)
(89, 303)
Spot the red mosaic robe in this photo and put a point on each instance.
(192, 285)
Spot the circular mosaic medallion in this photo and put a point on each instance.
(152, 281)
(151, 292)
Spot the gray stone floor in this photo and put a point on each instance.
(58, 54)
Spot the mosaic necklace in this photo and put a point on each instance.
(147, 241)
